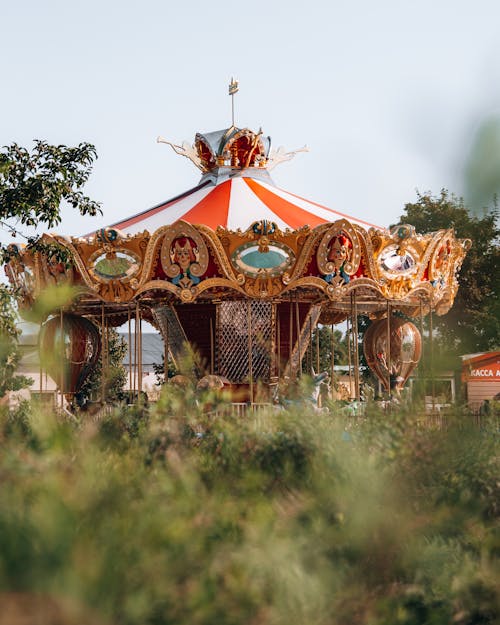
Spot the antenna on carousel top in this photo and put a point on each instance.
(233, 89)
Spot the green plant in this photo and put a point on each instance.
(183, 517)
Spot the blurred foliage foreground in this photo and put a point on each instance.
(278, 518)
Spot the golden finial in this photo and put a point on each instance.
(233, 88)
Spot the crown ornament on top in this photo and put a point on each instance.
(232, 148)
(235, 148)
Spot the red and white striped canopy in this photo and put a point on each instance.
(235, 203)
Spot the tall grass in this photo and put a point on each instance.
(175, 517)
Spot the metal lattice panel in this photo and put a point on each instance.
(235, 350)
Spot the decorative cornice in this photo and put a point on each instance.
(326, 263)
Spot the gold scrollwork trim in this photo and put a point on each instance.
(77, 259)
(150, 253)
(368, 253)
(183, 229)
(305, 254)
(221, 258)
(350, 266)
(158, 285)
(192, 293)
(441, 260)
(429, 251)
(306, 281)
(212, 283)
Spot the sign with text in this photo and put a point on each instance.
(490, 372)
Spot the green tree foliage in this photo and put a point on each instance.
(10, 354)
(159, 370)
(339, 345)
(473, 323)
(34, 184)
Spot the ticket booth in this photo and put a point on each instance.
(481, 374)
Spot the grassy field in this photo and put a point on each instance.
(173, 517)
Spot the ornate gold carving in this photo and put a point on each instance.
(306, 282)
(263, 286)
(108, 237)
(376, 240)
(217, 283)
(56, 272)
(339, 253)
(184, 255)
(79, 258)
(115, 291)
(441, 258)
(20, 271)
(435, 260)
(158, 285)
(304, 247)
(218, 241)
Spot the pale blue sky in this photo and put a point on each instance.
(387, 94)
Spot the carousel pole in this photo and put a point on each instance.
(290, 335)
(421, 369)
(139, 345)
(431, 354)
(140, 338)
(61, 329)
(135, 352)
(129, 355)
(106, 353)
(250, 363)
(297, 322)
(40, 369)
(107, 345)
(317, 360)
(388, 346)
(310, 344)
(273, 367)
(332, 358)
(211, 346)
(278, 341)
(356, 345)
(165, 354)
(103, 352)
(349, 360)
(318, 363)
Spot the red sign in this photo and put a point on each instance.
(487, 373)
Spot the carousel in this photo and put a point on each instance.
(243, 272)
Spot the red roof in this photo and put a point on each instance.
(235, 204)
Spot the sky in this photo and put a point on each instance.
(388, 96)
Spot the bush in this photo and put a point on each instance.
(273, 518)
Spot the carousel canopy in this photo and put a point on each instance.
(234, 204)
(236, 188)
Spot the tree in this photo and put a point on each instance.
(10, 354)
(473, 323)
(325, 350)
(34, 184)
(32, 187)
(159, 370)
